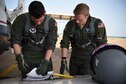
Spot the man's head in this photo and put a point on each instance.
(81, 13)
(36, 9)
(37, 12)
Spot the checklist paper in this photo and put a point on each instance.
(32, 75)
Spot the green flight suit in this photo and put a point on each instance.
(80, 57)
(33, 53)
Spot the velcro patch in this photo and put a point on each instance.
(101, 25)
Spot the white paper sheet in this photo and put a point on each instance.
(32, 75)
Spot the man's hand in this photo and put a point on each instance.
(42, 69)
(63, 66)
(22, 65)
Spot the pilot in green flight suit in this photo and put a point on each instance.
(33, 39)
(84, 33)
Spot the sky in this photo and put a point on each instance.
(111, 12)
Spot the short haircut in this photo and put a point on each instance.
(81, 8)
(36, 9)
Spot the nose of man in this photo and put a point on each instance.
(38, 22)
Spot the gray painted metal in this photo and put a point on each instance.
(77, 80)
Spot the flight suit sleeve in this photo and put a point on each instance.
(52, 35)
(17, 30)
(65, 42)
(101, 36)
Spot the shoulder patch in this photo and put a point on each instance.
(101, 25)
